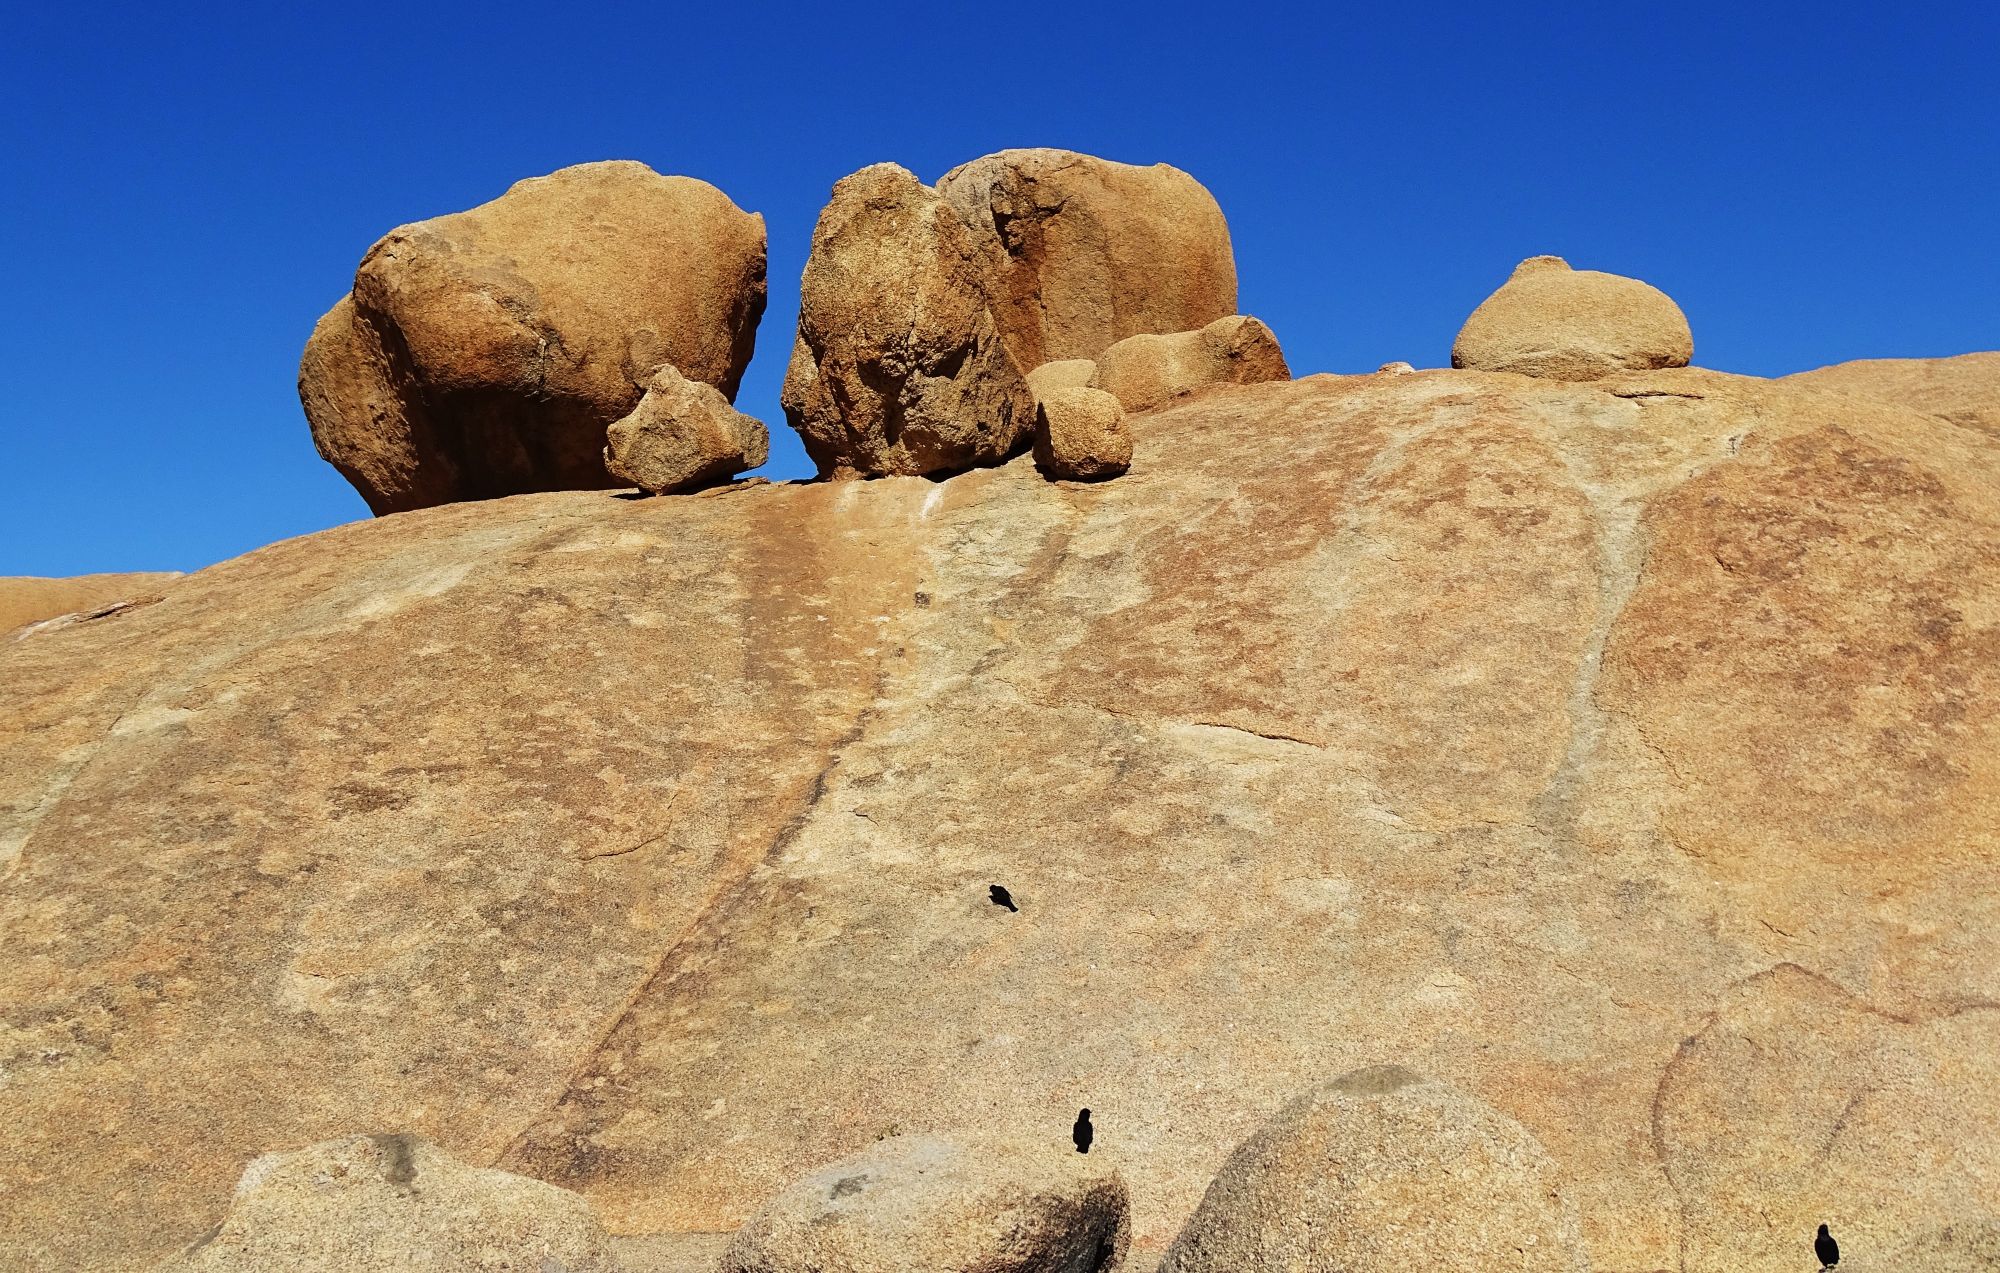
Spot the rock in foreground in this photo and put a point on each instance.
(483, 353)
(1080, 433)
(395, 1204)
(1144, 372)
(935, 1204)
(899, 366)
(1550, 321)
(1516, 729)
(1091, 251)
(683, 434)
(1383, 1171)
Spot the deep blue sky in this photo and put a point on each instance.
(185, 192)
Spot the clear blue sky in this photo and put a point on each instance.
(186, 188)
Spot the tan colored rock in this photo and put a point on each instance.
(1144, 372)
(943, 1204)
(1971, 1246)
(1093, 251)
(1964, 390)
(1556, 323)
(1067, 373)
(683, 434)
(1395, 369)
(899, 367)
(26, 599)
(1080, 434)
(391, 1204)
(484, 353)
(1512, 729)
(1382, 1171)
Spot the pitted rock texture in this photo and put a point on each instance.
(1382, 1171)
(1551, 321)
(1964, 390)
(899, 366)
(26, 599)
(1092, 251)
(1516, 730)
(1143, 372)
(395, 1204)
(483, 353)
(939, 1204)
(683, 434)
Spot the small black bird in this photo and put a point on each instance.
(1001, 897)
(1083, 1133)
(1826, 1249)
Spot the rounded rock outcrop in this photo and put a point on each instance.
(1147, 371)
(899, 366)
(941, 1204)
(1092, 251)
(683, 434)
(1383, 1171)
(1557, 323)
(1080, 434)
(390, 1204)
(483, 353)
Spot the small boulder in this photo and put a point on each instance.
(899, 366)
(1092, 251)
(1384, 1171)
(390, 1204)
(683, 434)
(936, 1204)
(1557, 323)
(1146, 371)
(483, 353)
(1080, 434)
(1395, 369)
(1066, 373)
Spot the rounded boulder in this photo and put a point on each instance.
(1557, 323)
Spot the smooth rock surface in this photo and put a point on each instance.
(683, 434)
(1092, 251)
(1971, 1246)
(1080, 433)
(1067, 373)
(1144, 372)
(1557, 323)
(899, 366)
(26, 599)
(1964, 390)
(1382, 1171)
(395, 1204)
(483, 353)
(1513, 729)
(943, 1204)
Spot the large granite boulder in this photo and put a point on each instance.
(1383, 1171)
(1551, 321)
(943, 1204)
(1964, 390)
(1147, 371)
(899, 366)
(394, 1204)
(1093, 251)
(1514, 729)
(483, 353)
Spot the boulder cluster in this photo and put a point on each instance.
(589, 329)
(1379, 1171)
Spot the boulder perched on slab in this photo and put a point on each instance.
(1143, 372)
(1080, 433)
(683, 434)
(1384, 1171)
(1092, 251)
(483, 353)
(942, 1204)
(395, 1204)
(1557, 323)
(899, 366)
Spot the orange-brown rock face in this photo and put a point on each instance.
(1092, 251)
(28, 599)
(1625, 754)
(484, 353)
(1964, 390)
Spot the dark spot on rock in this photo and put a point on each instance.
(847, 1186)
(401, 1151)
(1376, 1080)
